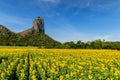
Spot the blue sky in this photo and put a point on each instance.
(65, 20)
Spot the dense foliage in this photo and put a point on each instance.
(96, 44)
(40, 64)
(9, 38)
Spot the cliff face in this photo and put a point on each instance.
(38, 25)
(35, 36)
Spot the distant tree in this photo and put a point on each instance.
(69, 45)
(80, 45)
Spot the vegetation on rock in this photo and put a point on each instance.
(34, 36)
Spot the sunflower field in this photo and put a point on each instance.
(59, 64)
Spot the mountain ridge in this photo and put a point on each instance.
(34, 36)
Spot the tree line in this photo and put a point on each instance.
(44, 41)
(96, 44)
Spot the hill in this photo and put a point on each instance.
(35, 36)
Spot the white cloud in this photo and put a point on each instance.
(46, 5)
(106, 37)
(92, 4)
(68, 4)
(113, 37)
(75, 35)
(52, 1)
(71, 33)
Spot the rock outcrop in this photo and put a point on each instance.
(38, 25)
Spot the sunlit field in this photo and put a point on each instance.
(59, 64)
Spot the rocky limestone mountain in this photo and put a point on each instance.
(38, 26)
(35, 36)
